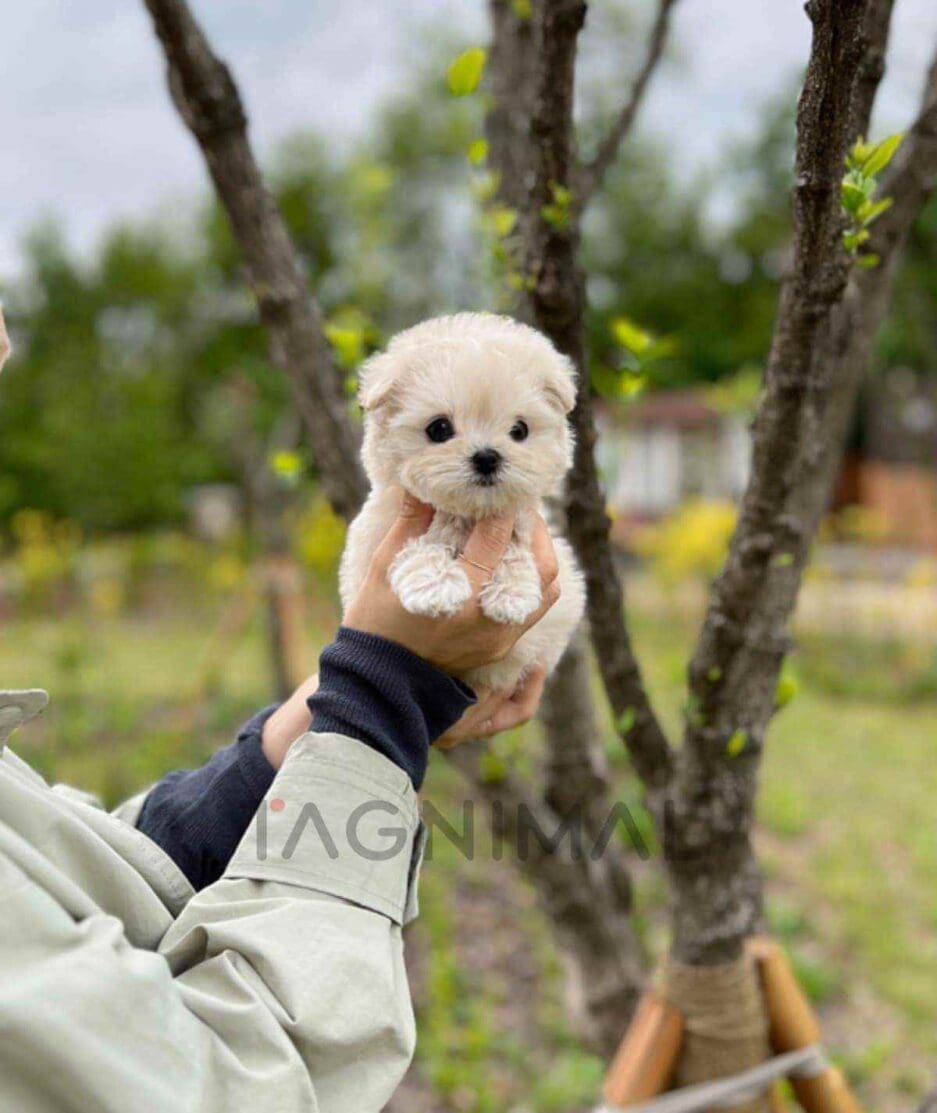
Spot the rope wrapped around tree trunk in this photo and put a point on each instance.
(726, 1026)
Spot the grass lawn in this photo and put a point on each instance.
(847, 836)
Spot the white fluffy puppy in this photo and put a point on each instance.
(468, 414)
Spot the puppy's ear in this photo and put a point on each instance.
(560, 384)
(378, 379)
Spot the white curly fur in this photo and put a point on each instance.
(483, 372)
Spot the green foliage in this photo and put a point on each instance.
(147, 335)
(638, 352)
(857, 194)
(558, 212)
(287, 465)
(737, 742)
(690, 542)
(477, 151)
(465, 72)
(318, 539)
(736, 393)
(787, 689)
(625, 720)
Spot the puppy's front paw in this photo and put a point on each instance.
(503, 604)
(513, 594)
(428, 581)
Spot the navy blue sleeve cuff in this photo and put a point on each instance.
(387, 697)
(199, 816)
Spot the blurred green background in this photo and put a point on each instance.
(152, 474)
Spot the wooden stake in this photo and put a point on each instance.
(645, 1061)
(794, 1025)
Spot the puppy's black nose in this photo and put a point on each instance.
(486, 461)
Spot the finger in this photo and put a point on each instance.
(544, 553)
(486, 546)
(470, 725)
(551, 595)
(412, 521)
(521, 708)
(530, 693)
(488, 704)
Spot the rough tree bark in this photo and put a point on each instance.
(827, 322)
(734, 669)
(209, 102)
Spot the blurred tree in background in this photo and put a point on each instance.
(142, 338)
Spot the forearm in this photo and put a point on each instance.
(372, 690)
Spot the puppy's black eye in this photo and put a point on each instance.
(440, 429)
(519, 430)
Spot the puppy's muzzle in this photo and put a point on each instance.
(486, 463)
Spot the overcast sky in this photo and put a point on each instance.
(88, 133)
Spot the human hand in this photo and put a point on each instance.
(497, 711)
(465, 640)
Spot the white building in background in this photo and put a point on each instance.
(667, 447)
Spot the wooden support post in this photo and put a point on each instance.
(645, 1061)
(793, 1025)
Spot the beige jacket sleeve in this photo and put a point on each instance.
(280, 987)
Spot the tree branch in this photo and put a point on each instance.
(556, 302)
(593, 173)
(822, 339)
(912, 177)
(872, 69)
(742, 623)
(208, 100)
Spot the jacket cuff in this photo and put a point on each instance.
(339, 819)
(379, 692)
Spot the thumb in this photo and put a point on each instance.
(412, 521)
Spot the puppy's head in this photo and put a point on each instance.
(468, 413)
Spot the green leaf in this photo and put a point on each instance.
(626, 720)
(852, 196)
(881, 154)
(466, 71)
(663, 348)
(631, 336)
(869, 261)
(631, 384)
(287, 465)
(787, 688)
(737, 742)
(503, 220)
(523, 9)
(347, 342)
(859, 153)
(493, 767)
(477, 151)
(557, 216)
(872, 210)
(784, 560)
(714, 674)
(852, 240)
(562, 195)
